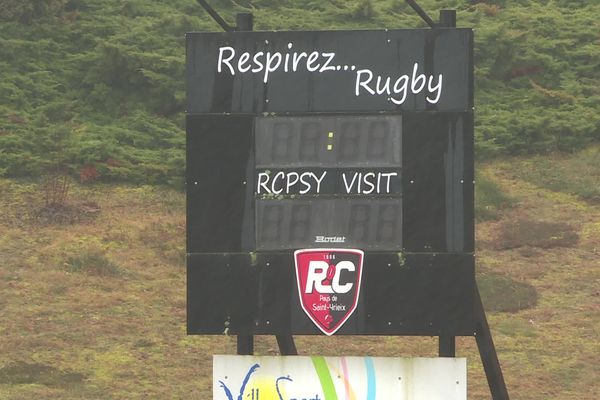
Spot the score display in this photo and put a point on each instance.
(323, 180)
(329, 141)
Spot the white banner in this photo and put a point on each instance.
(338, 378)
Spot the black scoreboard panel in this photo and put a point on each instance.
(417, 294)
(308, 159)
(439, 181)
(418, 276)
(226, 72)
(219, 176)
(430, 198)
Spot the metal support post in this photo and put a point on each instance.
(487, 352)
(286, 344)
(447, 19)
(245, 345)
(447, 346)
(244, 22)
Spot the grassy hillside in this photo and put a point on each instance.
(98, 86)
(93, 300)
(92, 294)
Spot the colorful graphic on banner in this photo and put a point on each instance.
(338, 378)
(329, 285)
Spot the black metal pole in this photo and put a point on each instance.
(448, 18)
(286, 344)
(447, 346)
(487, 351)
(421, 13)
(245, 345)
(287, 347)
(226, 27)
(244, 22)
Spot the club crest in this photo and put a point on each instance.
(328, 285)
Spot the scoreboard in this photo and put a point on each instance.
(357, 140)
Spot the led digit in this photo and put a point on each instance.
(309, 141)
(359, 218)
(300, 225)
(282, 138)
(350, 141)
(378, 140)
(386, 227)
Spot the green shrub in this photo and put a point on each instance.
(91, 259)
(109, 76)
(363, 10)
(27, 10)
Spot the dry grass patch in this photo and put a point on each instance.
(164, 238)
(65, 214)
(25, 204)
(533, 233)
(502, 293)
(22, 373)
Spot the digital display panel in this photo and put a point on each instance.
(329, 141)
(324, 180)
(371, 224)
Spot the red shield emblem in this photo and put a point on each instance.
(328, 285)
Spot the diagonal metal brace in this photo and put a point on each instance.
(487, 351)
(421, 13)
(226, 27)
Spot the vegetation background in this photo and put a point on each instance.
(98, 86)
(92, 277)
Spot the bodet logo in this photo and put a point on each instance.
(328, 285)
